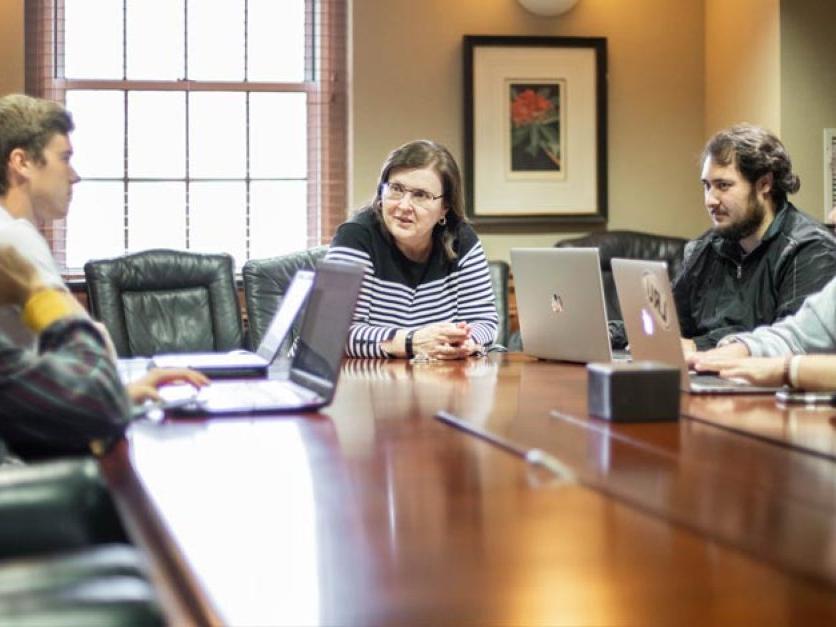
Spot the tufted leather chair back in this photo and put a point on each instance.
(166, 301)
(628, 245)
(265, 284)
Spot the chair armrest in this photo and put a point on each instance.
(49, 573)
(53, 506)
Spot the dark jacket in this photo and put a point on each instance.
(721, 290)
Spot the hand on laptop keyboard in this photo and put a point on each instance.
(761, 371)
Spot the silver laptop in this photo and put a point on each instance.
(652, 324)
(317, 356)
(560, 302)
(242, 363)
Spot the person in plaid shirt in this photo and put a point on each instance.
(68, 393)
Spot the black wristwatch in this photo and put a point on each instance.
(408, 344)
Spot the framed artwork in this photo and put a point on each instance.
(535, 112)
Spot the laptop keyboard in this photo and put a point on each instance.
(716, 381)
(256, 393)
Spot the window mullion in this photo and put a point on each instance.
(125, 186)
(184, 85)
(187, 130)
(247, 212)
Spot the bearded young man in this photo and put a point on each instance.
(762, 257)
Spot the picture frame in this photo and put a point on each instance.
(535, 124)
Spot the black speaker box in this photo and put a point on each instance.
(638, 391)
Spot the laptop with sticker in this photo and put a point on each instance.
(646, 300)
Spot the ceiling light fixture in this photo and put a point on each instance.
(548, 8)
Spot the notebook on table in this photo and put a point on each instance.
(560, 303)
(242, 363)
(650, 318)
(317, 356)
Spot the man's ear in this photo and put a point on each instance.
(18, 164)
(764, 184)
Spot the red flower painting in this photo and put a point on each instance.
(529, 107)
(535, 127)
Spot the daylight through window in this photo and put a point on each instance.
(207, 125)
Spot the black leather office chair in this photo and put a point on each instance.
(628, 245)
(265, 284)
(161, 301)
(56, 505)
(103, 585)
(64, 557)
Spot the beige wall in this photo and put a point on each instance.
(808, 93)
(407, 83)
(667, 89)
(11, 46)
(742, 64)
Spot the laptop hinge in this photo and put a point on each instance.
(321, 386)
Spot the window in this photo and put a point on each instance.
(207, 125)
(829, 173)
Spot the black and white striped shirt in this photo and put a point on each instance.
(398, 293)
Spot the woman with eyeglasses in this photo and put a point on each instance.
(427, 290)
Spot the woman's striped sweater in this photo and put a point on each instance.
(398, 293)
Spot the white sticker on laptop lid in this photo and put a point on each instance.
(657, 300)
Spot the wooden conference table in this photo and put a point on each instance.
(372, 512)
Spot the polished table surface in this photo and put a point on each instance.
(808, 428)
(373, 512)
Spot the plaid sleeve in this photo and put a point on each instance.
(64, 396)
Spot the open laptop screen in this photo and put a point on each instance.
(325, 326)
(292, 303)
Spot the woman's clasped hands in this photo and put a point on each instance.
(444, 340)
